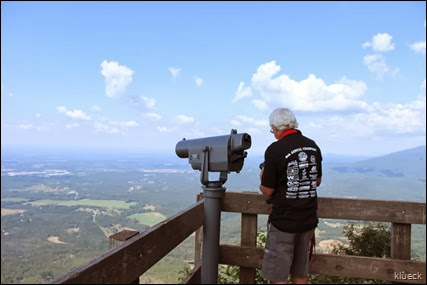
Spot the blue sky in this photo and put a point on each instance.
(143, 75)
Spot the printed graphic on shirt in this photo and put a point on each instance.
(302, 174)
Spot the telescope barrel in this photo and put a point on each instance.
(181, 148)
(226, 153)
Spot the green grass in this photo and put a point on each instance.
(13, 199)
(86, 202)
(35, 279)
(149, 219)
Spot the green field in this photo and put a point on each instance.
(13, 199)
(149, 219)
(86, 202)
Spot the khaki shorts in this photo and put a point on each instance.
(285, 253)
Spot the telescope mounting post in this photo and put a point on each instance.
(213, 192)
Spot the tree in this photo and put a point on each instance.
(372, 240)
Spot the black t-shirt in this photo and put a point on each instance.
(292, 166)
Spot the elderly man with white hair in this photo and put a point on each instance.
(291, 174)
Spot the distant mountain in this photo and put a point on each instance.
(409, 163)
(331, 158)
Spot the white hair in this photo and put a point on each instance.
(283, 119)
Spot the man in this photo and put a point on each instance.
(292, 172)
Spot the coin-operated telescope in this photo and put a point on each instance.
(222, 154)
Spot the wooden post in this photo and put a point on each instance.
(198, 240)
(248, 238)
(118, 238)
(400, 242)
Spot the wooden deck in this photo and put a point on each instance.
(128, 259)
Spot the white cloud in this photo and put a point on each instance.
(254, 131)
(148, 102)
(75, 114)
(96, 108)
(25, 126)
(242, 92)
(380, 120)
(105, 128)
(419, 47)
(311, 94)
(376, 63)
(394, 118)
(117, 78)
(260, 104)
(153, 116)
(175, 72)
(70, 126)
(125, 124)
(198, 81)
(235, 123)
(38, 115)
(28, 126)
(141, 102)
(163, 129)
(380, 42)
(114, 127)
(184, 119)
(11, 94)
(252, 121)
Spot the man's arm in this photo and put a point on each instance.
(268, 192)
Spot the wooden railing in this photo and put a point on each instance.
(131, 258)
(126, 262)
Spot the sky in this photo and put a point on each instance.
(141, 76)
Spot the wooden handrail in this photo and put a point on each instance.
(337, 208)
(125, 263)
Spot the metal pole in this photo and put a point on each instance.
(213, 192)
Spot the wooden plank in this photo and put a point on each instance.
(373, 210)
(131, 259)
(401, 241)
(248, 238)
(335, 265)
(245, 203)
(368, 267)
(241, 255)
(337, 208)
(194, 277)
